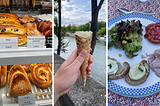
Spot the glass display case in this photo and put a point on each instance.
(26, 56)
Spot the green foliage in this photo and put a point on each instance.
(101, 31)
(68, 28)
(87, 27)
(73, 28)
(101, 24)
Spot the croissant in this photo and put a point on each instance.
(44, 25)
(3, 75)
(30, 26)
(22, 39)
(26, 18)
(12, 29)
(18, 81)
(41, 75)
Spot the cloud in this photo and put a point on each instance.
(79, 12)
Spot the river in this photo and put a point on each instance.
(98, 71)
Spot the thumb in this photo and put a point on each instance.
(79, 60)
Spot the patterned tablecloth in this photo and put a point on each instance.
(136, 5)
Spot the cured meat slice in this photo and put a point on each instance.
(154, 62)
(153, 32)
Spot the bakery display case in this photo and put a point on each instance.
(25, 71)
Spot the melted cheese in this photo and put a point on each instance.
(135, 73)
(112, 67)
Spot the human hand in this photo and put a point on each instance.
(69, 72)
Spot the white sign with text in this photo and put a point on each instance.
(35, 41)
(1, 102)
(26, 100)
(8, 42)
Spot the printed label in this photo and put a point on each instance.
(1, 102)
(26, 100)
(8, 42)
(36, 41)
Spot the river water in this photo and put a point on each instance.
(98, 71)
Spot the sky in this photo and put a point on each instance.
(78, 12)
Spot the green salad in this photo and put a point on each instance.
(126, 35)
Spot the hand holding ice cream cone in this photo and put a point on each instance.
(69, 72)
(83, 40)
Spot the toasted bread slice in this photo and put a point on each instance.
(121, 72)
(141, 80)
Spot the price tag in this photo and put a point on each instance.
(26, 100)
(36, 41)
(8, 42)
(49, 42)
(1, 102)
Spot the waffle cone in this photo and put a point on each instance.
(84, 43)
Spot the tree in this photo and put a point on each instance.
(68, 28)
(57, 8)
(73, 28)
(101, 31)
(101, 24)
(95, 11)
(59, 29)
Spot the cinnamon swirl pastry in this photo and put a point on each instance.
(3, 75)
(33, 64)
(18, 81)
(50, 65)
(41, 75)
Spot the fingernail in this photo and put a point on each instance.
(90, 67)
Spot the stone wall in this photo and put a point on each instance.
(93, 94)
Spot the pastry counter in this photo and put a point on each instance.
(17, 82)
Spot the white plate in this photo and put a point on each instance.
(152, 84)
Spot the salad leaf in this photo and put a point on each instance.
(126, 35)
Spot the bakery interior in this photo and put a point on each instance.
(26, 72)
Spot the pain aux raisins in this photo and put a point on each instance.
(3, 30)
(15, 30)
(3, 17)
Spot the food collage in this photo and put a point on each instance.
(94, 65)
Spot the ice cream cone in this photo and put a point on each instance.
(83, 40)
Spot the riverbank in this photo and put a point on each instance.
(93, 94)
